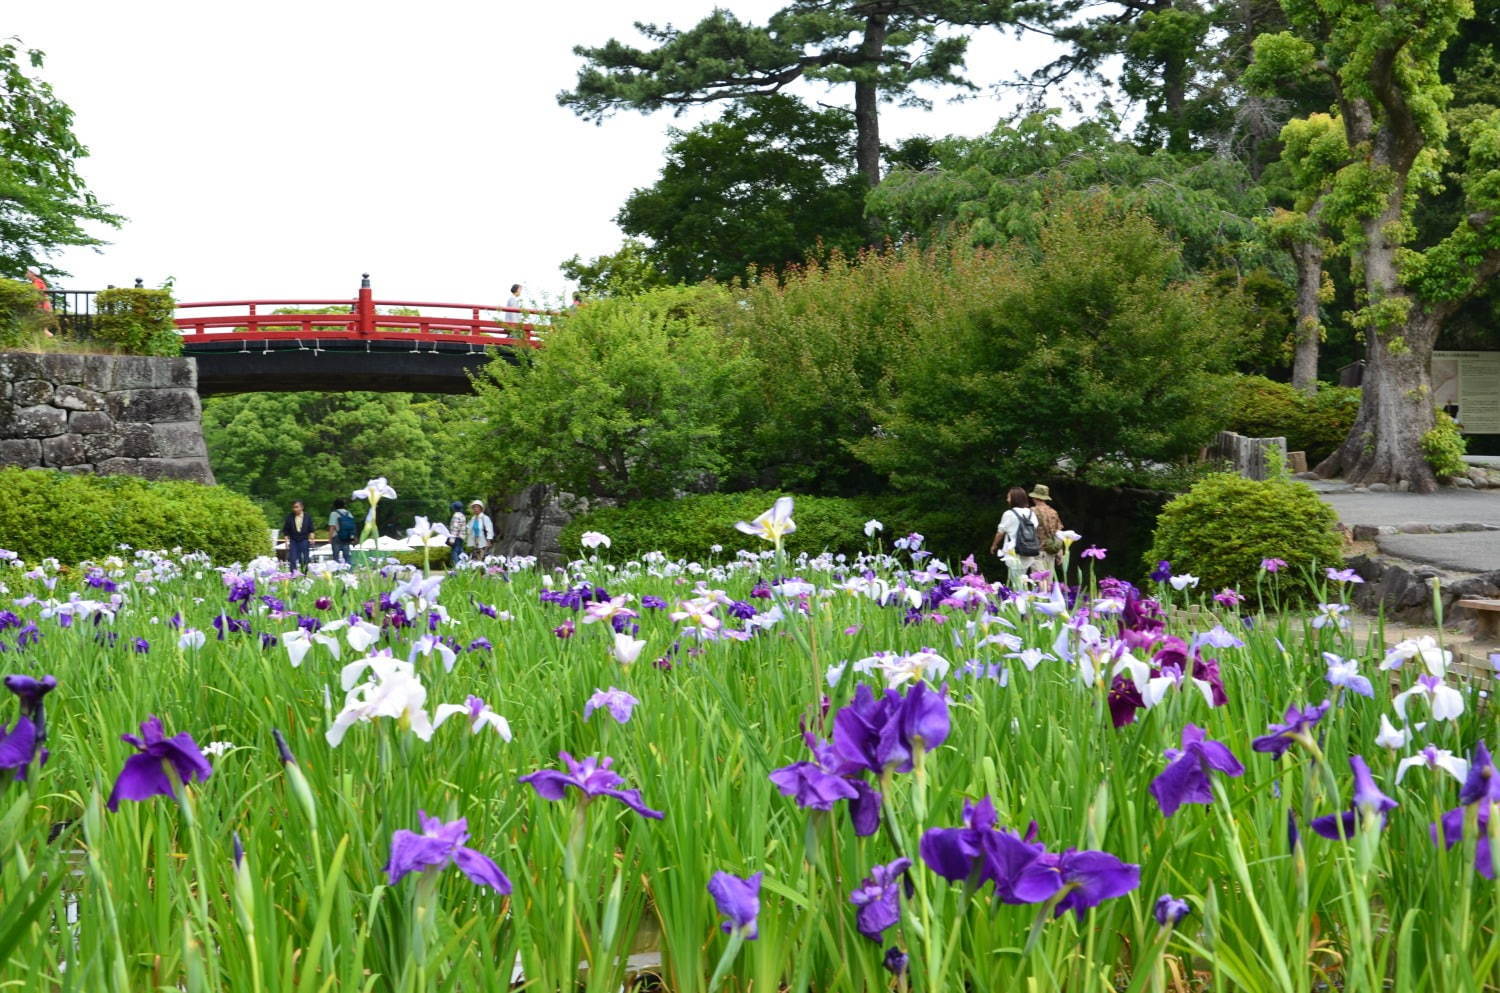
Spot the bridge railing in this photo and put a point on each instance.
(365, 319)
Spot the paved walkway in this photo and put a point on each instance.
(1426, 523)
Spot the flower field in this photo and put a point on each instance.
(749, 773)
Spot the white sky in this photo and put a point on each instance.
(274, 149)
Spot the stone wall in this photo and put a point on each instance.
(105, 414)
(530, 522)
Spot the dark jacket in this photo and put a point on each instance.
(308, 527)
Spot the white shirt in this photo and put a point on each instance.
(485, 532)
(514, 303)
(1010, 523)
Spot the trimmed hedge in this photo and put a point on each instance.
(1316, 425)
(1223, 528)
(72, 517)
(137, 321)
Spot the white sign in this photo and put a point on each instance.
(1471, 382)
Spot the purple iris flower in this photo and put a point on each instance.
(864, 809)
(144, 774)
(739, 900)
(1084, 880)
(1481, 786)
(487, 609)
(811, 787)
(895, 961)
(240, 592)
(1293, 729)
(739, 608)
(225, 624)
(565, 629)
(141, 646)
(761, 590)
(879, 899)
(1169, 910)
(31, 691)
(956, 854)
(1367, 799)
(592, 777)
(18, 746)
(871, 734)
(435, 847)
(616, 701)
(649, 602)
(1124, 700)
(1185, 779)
(1162, 572)
(9, 619)
(28, 635)
(323, 603)
(480, 644)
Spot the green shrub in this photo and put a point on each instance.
(1223, 528)
(47, 513)
(1443, 447)
(21, 315)
(1264, 408)
(137, 322)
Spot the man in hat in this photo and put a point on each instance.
(480, 533)
(1047, 526)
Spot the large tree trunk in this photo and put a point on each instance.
(1309, 334)
(867, 100)
(1385, 444)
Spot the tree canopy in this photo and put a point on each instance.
(44, 201)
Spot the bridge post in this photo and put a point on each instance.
(364, 309)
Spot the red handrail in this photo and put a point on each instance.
(363, 321)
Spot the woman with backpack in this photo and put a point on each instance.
(1018, 538)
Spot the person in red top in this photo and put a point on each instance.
(41, 285)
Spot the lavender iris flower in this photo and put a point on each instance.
(591, 777)
(879, 900)
(616, 701)
(144, 774)
(739, 900)
(1185, 779)
(1291, 731)
(438, 845)
(1367, 799)
(811, 787)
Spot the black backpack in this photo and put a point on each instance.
(1028, 542)
(346, 526)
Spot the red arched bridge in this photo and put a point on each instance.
(245, 346)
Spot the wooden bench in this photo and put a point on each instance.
(1487, 616)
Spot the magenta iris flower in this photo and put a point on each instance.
(438, 845)
(879, 899)
(1294, 728)
(1367, 799)
(739, 900)
(591, 777)
(144, 774)
(1185, 779)
(1094, 552)
(1273, 565)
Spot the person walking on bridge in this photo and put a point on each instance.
(514, 304)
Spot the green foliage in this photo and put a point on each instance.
(625, 272)
(884, 49)
(1091, 354)
(314, 447)
(689, 526)
(760, 187)
(1316, 425)
(1005, 185)
(137, 321)
(46, 202)
(21, 315)
(1222, 529)
(1444, 447)
(632, 397)
(827, 336)
(73, 517)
